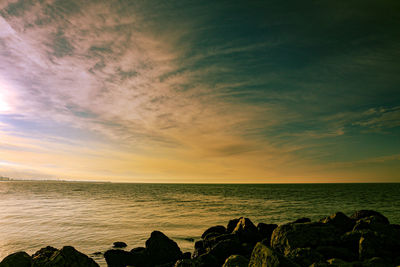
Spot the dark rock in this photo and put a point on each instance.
(247, 249)
(187, 255)
(236, 261)
(302, 220)
(329, 252)
(219, 229)
(138, 250)
(210, 242)
(18, 259)
(67, 256)
(265, 231)
(120, 245)
(97, 253)
(211, 235)
(265, 256)
(185, 263)
(290, 236)
(375, 262)
(371, 245)
(350, 241)
(161, 249)
(119, 258)
(340, 221)
(190, 239)
(225, 248)
(231, 225)
(367, 213)
(305, 256)
(341, 263)
(246, 230)
(199, 249)
(207, 260)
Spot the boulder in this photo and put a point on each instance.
(224, 249)
(375, 262)
(367, 213)
(161, 249)
(236, 261)
(265, 231)
(305, 256)
(340, 221)
(232, 225)
(67, 256)
(185, 263)
(263, 256)
(186, 255)
(199, 249)
(18, 259)
(119, 244)
(246, 230)
(219, 230)
(371, 245)
(207, 260)
(339, 252)
(302, 220)
(212, 241)
(290, 236)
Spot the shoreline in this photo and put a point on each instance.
(366, 238)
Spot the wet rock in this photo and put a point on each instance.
(290, 236)
(225, 248)
(341, 263)
(187, 255)
(161, 249)
(207, 260)
(305, 256)
(219, 229)
(246, 230)
(67, 256)
(190, 239)
(236, 261)
(210, 242)
(231, 225)
(375, 262)
(367, 213)
(138, 250)
(340, 221)
(265, 256)
(185, 263)
(119, 258)
(119, 244)
(265, 231)
(199, 249)
(371, 245)
(302, 220)
(18, 259)
(329, 252)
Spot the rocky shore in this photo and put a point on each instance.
(365, 239)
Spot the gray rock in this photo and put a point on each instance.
(18, 259)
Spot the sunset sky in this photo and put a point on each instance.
(200, 91)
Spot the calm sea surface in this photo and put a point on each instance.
(91, 216)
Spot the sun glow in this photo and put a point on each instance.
(5, 96)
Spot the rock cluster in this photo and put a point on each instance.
(365, 239)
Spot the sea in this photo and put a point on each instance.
(91, 216)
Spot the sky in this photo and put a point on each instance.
(200, 91)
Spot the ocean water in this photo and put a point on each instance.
(91, 216)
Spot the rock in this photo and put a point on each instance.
(119, 258)
(120, 245)
(161, 249)
(232, 225)
(224, 249)
(199, 249)
(265, 231)
(340, 221)
(305, 256)
(367, 213)
(350, 241)
(207, 260)
(138, 250)
(246, 230)
(219, 229)
(185, 263)
(236, 261)
(290, 236)
(329, 252)
(371, 245)
(187, 255)
(375, 262)
(18, 259)
(67, 256)
(190, 239)
(265, 256)
(341, 263)
(210, 242)
(302, 220)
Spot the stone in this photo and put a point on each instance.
(185, 263)
(246, 230)
(290, 236)
(231, 225)
(161, 249)
(67, 256)
(340, 221)
(18, 259)
(225, 248)
(236, 261)
(219, 229)
(367, 213)
(302, 220)
(375, 262)
(187, 255)
(305, 256)
(263, 256)
(119, 244)
(207, 260)
(120, 258)
(329, 252)
(265, 231)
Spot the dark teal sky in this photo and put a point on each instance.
(235, 91)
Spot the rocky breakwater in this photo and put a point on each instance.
(364, 239)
